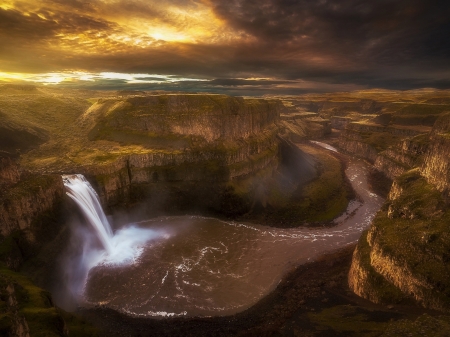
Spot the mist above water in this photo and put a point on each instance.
(97, 244)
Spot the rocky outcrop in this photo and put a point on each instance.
(9, 172)
(31, 213)
(24, 203)
(436, 165)
(352, 142)
(403, 156)
(298, 126)
(406, 248)
(16, 324)
(189, 141)
(27, 310)
(366, 282)
(339, 123)
(367, 140)
(210, 117)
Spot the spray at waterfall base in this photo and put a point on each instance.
(99, 245)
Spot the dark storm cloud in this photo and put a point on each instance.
(362, 32)
(385, 43)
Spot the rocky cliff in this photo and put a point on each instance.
(31, 213)
(393, 149)
(403, 156)
(406, 247)
(301, 126)
(186, 145)
(209, 117)
(436, 165)
(9, 172)
(26, 310)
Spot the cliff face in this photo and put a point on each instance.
(306, 125)
(210, 117)
(27, 310)
(353, 142)
(392, 149)
(188, 142)
(9, 172)
(16, 324)
(31, 198)
(436, 165)
(403, 156)
(407, 247)
(30, 212)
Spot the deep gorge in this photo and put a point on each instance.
(240, 160)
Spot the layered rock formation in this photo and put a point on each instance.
(25, 202)
(367, 139)
(436, 166)
(402, 156)
(188, 142)
(26, 310)
(404, 254)
(298, 126)
(9, 171)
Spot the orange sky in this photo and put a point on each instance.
(280, 44)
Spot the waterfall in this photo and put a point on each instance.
(79, 189)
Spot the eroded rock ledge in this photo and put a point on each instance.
(405, 253)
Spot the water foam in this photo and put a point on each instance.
(123, 247)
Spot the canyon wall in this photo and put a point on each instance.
(392, 149)
(402, 156)
(404, 255)
(193, 146)
(436, 165)
(210, 117)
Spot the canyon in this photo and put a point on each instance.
(152, 154)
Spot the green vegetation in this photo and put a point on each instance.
(424, 325)
(348, 320)
(378, 289)
(35, 305)
(415, 234)
(320, 200)
(380, 141)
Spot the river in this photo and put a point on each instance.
(208, 267)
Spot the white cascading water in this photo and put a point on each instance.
(79, 189)
(120, 248)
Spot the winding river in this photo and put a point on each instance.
(208, 267)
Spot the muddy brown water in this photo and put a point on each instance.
(208, 267)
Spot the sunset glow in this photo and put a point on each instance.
(54, 41)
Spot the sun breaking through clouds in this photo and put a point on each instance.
(210, 45)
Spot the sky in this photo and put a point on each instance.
(244, 47)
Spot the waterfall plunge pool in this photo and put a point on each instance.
(197, 266)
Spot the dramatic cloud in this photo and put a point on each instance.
(290, 45)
